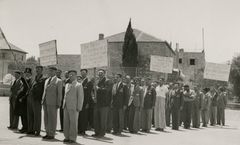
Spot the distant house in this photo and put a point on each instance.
(191, 64)
(6, 57)
(147, 45)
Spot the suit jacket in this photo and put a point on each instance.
(74, 97)
(16, 88)
(119, 99)
(222, 100)
(176, 99)
(205, 101)
(197, 102)
(104, 93)
(137, 96)
(87, 89)
(52, 94)
(37, 89)
(149, 98)
(21, 106)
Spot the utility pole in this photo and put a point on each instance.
(203, 45)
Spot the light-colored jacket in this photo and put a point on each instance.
(74, 96)
(53, 92)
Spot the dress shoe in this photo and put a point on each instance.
(37, 133)
(66, 140)
(9, 127)
(44, 137)
(71, 141)
(50, 137)
(95, 135)
(22, 131)
(30, 133)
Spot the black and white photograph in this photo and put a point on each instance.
(119, 72)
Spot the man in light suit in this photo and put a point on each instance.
(51, 102)
(72, 105)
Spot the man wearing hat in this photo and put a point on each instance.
(51, 101)
(83, 114)
(15, 90)
(72, 104)
(188, 97)
(34, 103)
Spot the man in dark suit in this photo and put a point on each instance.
(188, 97)
(102, 100)
(83, 114)
(61, 110)
(15, 90)
(35, 107)
(126, 111)
(119, 103)
(176, 102)
(148, 105)
(23, 99)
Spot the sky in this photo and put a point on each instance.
(27, 23)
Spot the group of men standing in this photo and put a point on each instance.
(107, 105)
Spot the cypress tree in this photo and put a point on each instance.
(130, 51)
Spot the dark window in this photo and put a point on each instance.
(192, 61)
(22, 58)
(180, 61)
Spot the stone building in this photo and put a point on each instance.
(147, 45)
(6, 57)
(191, 64)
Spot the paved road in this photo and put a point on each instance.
(228, 135)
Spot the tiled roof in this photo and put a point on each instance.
(3, 45)
(140, 37)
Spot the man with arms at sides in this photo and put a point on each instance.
(221, 105)
(126, 112)
(119, 103)
(102, 103)
(65, 81)
(35, 113)
(51, 102)
(159, 110)
(205, 106)
(83, 114)
(23, 99)
(196, 107)
(15, 90)
(134, 104)
(148, 106)
(72, 104)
